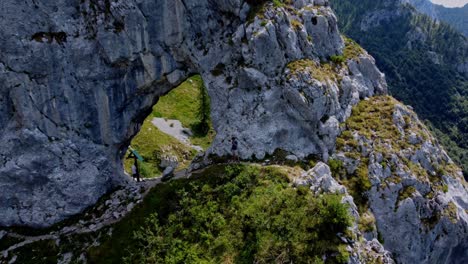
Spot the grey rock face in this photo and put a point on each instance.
(79, 77)
(168, 160)
(418, 196)
(320, 180)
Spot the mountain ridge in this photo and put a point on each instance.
(423, 61)
(455, 16)
(69, 129)
(363, 168)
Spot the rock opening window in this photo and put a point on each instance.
(178, 128)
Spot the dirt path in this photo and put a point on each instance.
(175, 129)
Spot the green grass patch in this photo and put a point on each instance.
(151, 143)
(319, 71)
(352, 50)
(367, 222)
(183, 104)
(338, 59)
(229, 214)
(406, 192)
(451, 212)
(258, 7)
(374, 119)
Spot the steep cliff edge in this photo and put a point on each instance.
(399, 175)
(424, 62)
(77, 80)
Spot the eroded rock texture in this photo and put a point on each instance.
(399, 174)
(361, 249)
(78, 78)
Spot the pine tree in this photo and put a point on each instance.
(203, 112)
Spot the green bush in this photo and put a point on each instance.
(338, 59)
(236, 214)
(335, 165)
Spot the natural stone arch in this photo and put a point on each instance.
(174, 136)
(77, 79)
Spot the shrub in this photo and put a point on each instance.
(338, 59)
(336, 167)
(244, 214)
(278, 3)
(296, 24)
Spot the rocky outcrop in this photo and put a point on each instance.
(361, 250)
(79, 77)
(399, 174)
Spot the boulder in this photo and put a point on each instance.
(292, 158)
(320, 180)
(169, 171)
(168, 160)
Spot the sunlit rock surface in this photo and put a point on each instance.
(78, 78)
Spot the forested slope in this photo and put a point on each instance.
(424, 62)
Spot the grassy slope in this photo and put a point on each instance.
(373, 119)
(150, 143)
(234, 214)
(225, 214)
(181, 104)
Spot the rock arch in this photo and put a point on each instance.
(77, 80)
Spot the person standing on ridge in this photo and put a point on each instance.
(135, 170)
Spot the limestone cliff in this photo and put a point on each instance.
(79, 77)
(401, 178)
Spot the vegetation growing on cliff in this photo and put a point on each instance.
(372, 127)
(224, 214)
(420, 58)
(319, 71)
(234, 214)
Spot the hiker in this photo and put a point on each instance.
(234, 149)
(135, 170)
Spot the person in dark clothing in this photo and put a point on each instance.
(135, 169)
(136, 172)
(234, 149)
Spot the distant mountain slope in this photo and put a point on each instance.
(456, 17)
(424, 6)
(425, 63)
